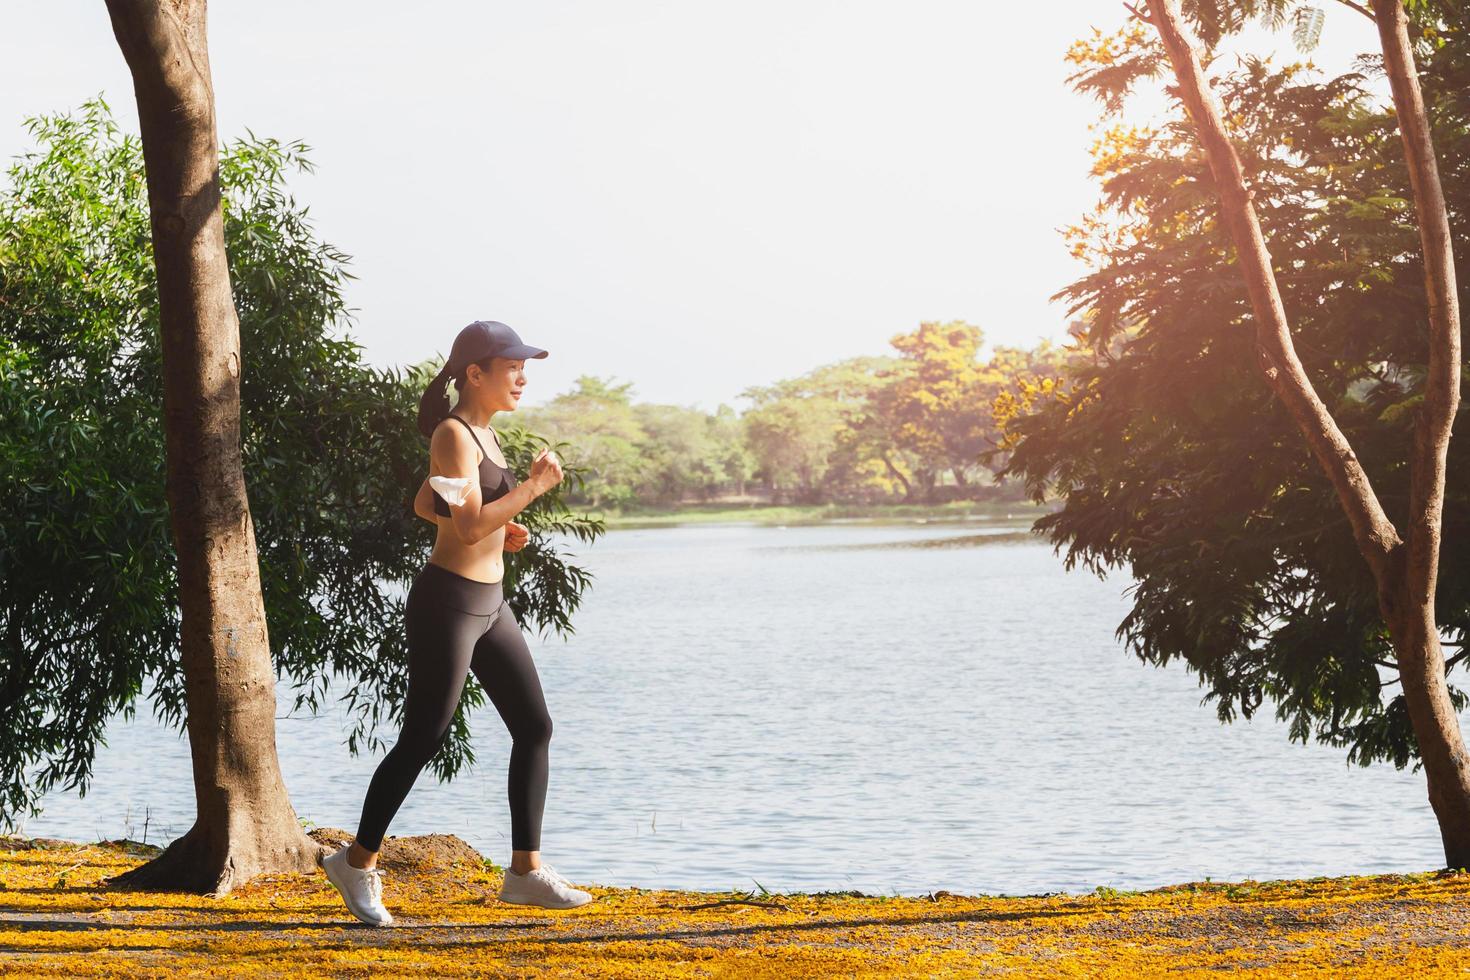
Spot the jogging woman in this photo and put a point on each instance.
(458, 620)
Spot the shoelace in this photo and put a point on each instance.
(375, 883)
(556, 875)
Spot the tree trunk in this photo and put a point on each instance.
(244, 824)
(908, 491)
(927, 479)
(1405, 572)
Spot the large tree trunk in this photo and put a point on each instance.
(1404, 571)
(245, 824)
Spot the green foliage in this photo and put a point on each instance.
(682, 455)
(332, 460)
(1213, 19)
(1306, 27)
(794, 427)
(641, 453)
(608, 435)
(632, 453)
(938, 402)
(1173, 456)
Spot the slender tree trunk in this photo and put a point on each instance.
(908, 491)
(1405, 572)
(244, 824)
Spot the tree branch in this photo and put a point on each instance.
(1359, 8)
(1140, 14)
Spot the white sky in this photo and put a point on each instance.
(692, 196)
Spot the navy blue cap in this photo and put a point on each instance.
(487, 338)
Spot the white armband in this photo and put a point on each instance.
(454, 490)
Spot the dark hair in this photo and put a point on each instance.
(434, 403)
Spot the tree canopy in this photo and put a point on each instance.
(1170, 453)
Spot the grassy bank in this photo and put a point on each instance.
(820, 514)
(57, 919)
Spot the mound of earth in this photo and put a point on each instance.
(428, 854)
(34, 844)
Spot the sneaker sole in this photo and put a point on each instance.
(517, 901)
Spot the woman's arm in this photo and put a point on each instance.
(454, 451)
(423, 503)
(472, 525)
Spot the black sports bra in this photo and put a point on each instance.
(495, 481)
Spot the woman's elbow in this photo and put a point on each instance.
(466, 533)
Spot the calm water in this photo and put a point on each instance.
(893, 709)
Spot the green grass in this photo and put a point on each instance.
(823, 513)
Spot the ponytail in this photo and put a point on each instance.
(434, 404)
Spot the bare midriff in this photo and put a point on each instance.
(483, 561)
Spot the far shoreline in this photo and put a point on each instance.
(790, 515)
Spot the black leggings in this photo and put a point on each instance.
(457, 624)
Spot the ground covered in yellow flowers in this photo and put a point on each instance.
(58, 919)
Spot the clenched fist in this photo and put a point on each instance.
(516, 536)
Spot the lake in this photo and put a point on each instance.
(890, 708)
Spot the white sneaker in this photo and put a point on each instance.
(362, 888)
(543, 886)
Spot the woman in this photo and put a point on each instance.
(459, 620)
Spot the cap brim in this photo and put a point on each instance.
(521, 353)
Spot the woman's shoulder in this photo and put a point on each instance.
(451, 434)
(446, 424)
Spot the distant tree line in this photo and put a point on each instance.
(915, 427)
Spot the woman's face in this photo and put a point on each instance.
(500, 387)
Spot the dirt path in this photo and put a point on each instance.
(57, 920)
